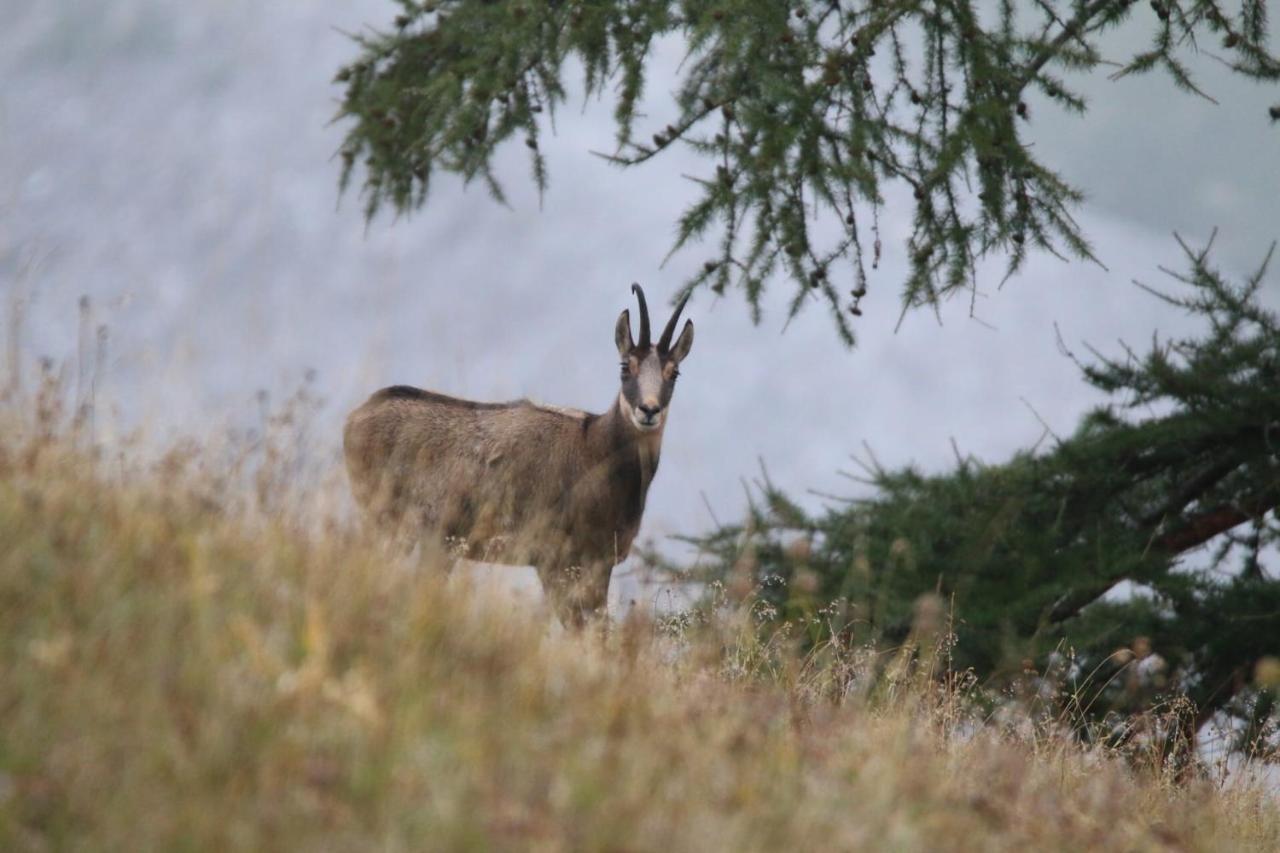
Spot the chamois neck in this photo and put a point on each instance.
(621, 439)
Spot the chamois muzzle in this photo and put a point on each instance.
(649, 415)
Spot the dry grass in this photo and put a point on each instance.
(180, 673)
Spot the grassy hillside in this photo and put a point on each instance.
(181, 673)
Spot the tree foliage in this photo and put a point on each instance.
(1027, 553)
(803, 110)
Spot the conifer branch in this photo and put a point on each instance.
(813, 126)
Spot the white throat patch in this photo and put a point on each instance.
(634, 417)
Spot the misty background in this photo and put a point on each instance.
(174, 161)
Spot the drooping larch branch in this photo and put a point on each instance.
(805, 111)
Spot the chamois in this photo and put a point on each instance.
(522, 483)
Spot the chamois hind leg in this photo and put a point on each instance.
(578, 594)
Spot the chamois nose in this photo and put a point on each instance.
(650, 412)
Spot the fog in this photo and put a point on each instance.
(174, 162)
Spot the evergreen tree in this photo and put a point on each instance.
(802, 109)
(1025, 552)
(813, 108)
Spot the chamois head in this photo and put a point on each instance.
(649, 372)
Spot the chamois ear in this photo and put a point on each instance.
(684, 343)
(622, 334)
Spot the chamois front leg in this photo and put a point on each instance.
(577, 594)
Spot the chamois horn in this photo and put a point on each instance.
(644, 316)
(665, 341)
